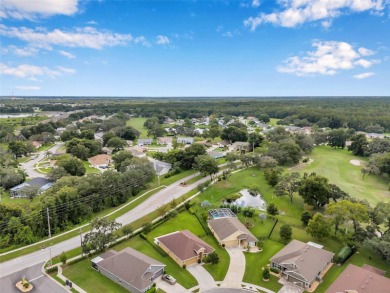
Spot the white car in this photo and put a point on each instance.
(169, 279)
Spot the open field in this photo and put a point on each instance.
(23, 121)
(138, 123)
(334, 164)
(273, 121)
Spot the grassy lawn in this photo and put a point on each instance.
(90, 280)
(89, 169)
(43, 167)
(17, 121)
(273, 121)
(45, 147)
(334, 164)
(23, 159)
(256, 261)
(138, 123)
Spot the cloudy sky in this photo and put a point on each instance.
(195, 48)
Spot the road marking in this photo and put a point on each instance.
(36, 278)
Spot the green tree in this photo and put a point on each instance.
(266, 274)
(272, 209)
(207, 165)
(306, 217)
(337, 138)
(63, 257)
(272, 175)
(120, 157)
(73, 166)
(101, 234)
(88, 134)
(20, 148)
(319, 226)
(255, 139)
(359, 145)
(156, 131)
(288, 184)
(116, 143)
(234, 134)
(285, 232)
(107, 136)
(314, 189)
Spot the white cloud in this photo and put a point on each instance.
(32, 71)
(365, 52)
(228, 34)
(143, 41)
(296, 12)
(27, 88)
(87, 37)
(255, 3)
(363, 75)
(67, 54)
(162, 40)
(21, 52)
(30, 9)
(328, 58)
(91, 22)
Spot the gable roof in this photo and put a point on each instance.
(131, 266)
(184, 244)
(361, 280)
(40, 182)
(159, 166)
(302, 259)
(224, 227)
(100, 160)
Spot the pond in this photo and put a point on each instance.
(21, 115)
(248, 200)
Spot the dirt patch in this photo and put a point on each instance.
(355, 162)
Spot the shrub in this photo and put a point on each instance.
(305, 160)
(285, 232)
(147, 227)
(143, 236)
(187, 206)
(266, 274)
(260, 244)
(127, 230)
(223, 244)
(272, 209)
(173, 213)
(52, 269)
(306, 217)
(184, 266)
(212, 258)
(275, 270)
(248, 212)
(199, 261)
(26, 284)
(63, 257)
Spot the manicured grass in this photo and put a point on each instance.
(138, 123)
(23, 159)
(334, 164)
(45, 147)
(273, 121)
(17, 121)
(256, 261)
(90, 280)
(217, 271)
(20, 202)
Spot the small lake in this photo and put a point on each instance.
(21, 115)
(248, 200)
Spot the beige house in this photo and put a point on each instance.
(230, 232)
(100, 161)
(184, 247)
(165, 140)
(302, 263)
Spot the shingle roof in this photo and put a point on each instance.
(224, 227)
(309, 260)
(184, 244)
(361, 280)
(100, 160)
(131, 266)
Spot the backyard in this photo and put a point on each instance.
(334, 164)
(138, 123)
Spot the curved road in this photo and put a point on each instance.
(162, 197)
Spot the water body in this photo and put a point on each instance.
(247, 200)
(21, 115)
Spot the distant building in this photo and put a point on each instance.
(107, 150)
(144, 141)
(129, 268)
(185, 140)
(216, 155)
(136, 151)
(160, 167)
(100, 161)
(242, 146)
(41, 183)
(36, 144)
(165, 140)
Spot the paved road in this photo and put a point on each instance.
(29, 165)
(236, 270)
(34, 275)
(162, 197)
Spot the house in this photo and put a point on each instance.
(224, 143)
(164, 140)
(241, 146)
(136, 151)
(375, 135)
(292, 129)
(129, 268)
(100, 161)
(60, 130)
(160, 167)
(107, 150)
(199, 131)
(41, 183)
(230, 232)
(360, 279)
(144, 141)
(129, 143)
(185, 140)
(302, 263)
(36, 144)
(184, 247)
(216, 155)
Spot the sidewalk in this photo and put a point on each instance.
(62, 277)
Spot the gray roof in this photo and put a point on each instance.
(143, 140)
(184, 244)
(40, 182)
(159, 166)
(224, 227)
(303, 260)
(131, 266)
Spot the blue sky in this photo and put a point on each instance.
(195, 48)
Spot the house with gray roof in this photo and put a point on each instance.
(302, 263)
(161, 167)
(40, 183)
(241, 146)
(230, 232)
(129, 268)
(144, 141)
(185, 140)
(184, 247)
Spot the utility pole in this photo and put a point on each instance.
(48, 221)
(81, 241)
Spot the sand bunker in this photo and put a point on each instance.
(355, 162)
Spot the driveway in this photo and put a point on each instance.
(235, 274)
(205, 280)
(34, 275)
(177, 288)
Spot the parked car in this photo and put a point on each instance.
(169, 279)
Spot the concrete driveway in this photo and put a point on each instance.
(177, 288)
(205, 280)
(235, 274)
(35, 276)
